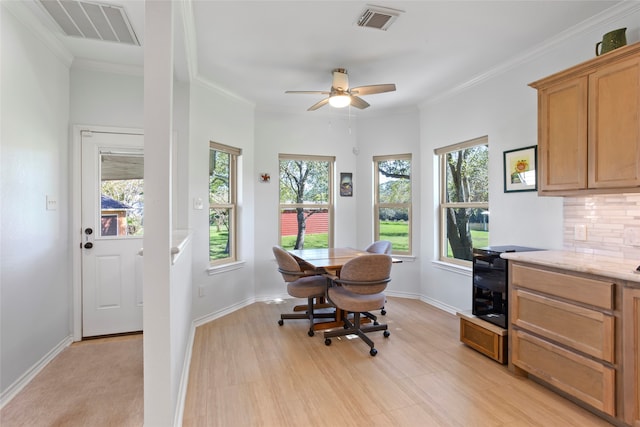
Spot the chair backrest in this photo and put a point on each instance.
(380, 247)
(366, 274)
(287, 263)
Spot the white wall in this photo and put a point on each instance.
(379, 135)
(503, 107)
(315, 133)
(217, 117)
(35, 267)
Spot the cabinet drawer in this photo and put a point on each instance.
(597, 293)
(484, 340)
(583, 329)
(583, 378)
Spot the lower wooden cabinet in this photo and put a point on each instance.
(579, 333)
(630, 356)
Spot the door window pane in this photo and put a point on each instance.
(121, 195)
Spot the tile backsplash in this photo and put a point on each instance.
(611, 221)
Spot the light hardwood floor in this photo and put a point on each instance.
(248, 371)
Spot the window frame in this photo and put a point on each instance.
(330, 205)
(234, 153)
(377, 205)
(444, 205)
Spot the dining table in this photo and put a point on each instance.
(331, 260)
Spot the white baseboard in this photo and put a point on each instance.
(30, 374)
(223, 312)
(439, 304)
(184, 378)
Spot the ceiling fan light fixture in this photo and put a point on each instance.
(339, 101)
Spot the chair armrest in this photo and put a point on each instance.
(361, 282)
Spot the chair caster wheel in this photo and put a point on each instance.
(376, 323)
(280, 322)
(373, 352)
(311, 333)
(383, 312)
(386, 334)
(327, 341)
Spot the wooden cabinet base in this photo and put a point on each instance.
(483, 336)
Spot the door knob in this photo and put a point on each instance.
(88, 245)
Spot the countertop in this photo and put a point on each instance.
(617, 268)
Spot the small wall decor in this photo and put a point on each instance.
(520, 169)
(346, 184)
(265, 177)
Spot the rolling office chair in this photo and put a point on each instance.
(379, 247)
(360, 289)
(301, 284)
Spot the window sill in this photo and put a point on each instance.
(218, 269)
(404, 258)
(454, 268)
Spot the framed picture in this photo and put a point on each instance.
(520, 169)
(346, 184)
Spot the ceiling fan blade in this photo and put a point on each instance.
(318, 104)
(371, 89)
(358, 102)
(309, 92)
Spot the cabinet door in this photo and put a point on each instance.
(562, 135)
(631, 356)
(614, 125)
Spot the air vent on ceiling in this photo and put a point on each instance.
(378, 17)
(92, 20)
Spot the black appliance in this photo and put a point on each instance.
(490, 277)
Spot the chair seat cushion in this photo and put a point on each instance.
(349, 301)
(309, 286)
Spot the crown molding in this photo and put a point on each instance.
(612, 14)
(204, 83)
(23, 11)
(190, 41)
(108, 67)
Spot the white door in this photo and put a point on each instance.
(112, 232)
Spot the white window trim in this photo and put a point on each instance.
(442, 260)
(330, 205)
(235, 153)
(377, 205)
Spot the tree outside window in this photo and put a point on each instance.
(306, 201)
(222, 203)
(392, 205)
(464, 199)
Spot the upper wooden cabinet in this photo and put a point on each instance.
(589, 126)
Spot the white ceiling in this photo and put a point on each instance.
(256, 50)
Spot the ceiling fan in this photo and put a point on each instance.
(341, 95)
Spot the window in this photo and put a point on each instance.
(222, 203)
(392, 204)
(121, 194)
(306, 201)
(464, 199)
